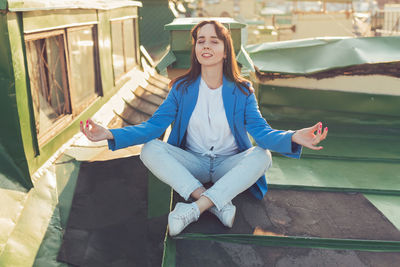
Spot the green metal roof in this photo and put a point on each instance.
(12, 176)
(318, 54)
(326, 1)
(31, 5)
(166, 61)
(188, 23)
(244, 59)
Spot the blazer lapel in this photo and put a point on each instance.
(189, 102)
(229, 99)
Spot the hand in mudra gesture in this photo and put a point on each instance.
(310, 137)
(95, 132)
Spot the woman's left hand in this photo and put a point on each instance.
(310, 137)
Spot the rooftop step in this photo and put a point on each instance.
(143, 102)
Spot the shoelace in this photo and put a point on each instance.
(187, 217)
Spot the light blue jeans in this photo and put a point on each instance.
(185, 171)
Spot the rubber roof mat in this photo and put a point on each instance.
(109, 223)
(294, 215)
(302, 213)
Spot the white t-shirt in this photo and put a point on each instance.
(208, 127)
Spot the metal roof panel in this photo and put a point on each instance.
(313, 55)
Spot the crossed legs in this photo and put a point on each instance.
(186, 173)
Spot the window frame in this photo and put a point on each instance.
(99, 92)
(135, 45)
(65, 119)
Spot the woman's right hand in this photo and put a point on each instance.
(95, 132)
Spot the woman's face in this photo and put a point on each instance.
(209, 49)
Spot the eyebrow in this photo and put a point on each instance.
(214, 37)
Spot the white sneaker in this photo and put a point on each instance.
(226, 215)
(182, 216)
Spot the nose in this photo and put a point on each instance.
(206, 45)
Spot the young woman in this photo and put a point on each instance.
(212, 109)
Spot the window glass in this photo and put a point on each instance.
(129, 42)
(82, 66)
(123, 46)
(47, 73)
(117, 49)
(54, 53)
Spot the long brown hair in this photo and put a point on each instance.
(230, 66)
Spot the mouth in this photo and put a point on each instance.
(206, 55)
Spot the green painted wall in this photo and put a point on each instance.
(123, 12)
(107, 80)
(19, 135)
(105, 52)
(42, 19)
(361, 103)
(11, 79)
(23, 92)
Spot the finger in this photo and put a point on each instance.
(317, 137)
(324, 134)
(81, 127)
(91, 122)
(316, 126)
(315, 147)
(320, 128)
(87, 125)
(89, 135)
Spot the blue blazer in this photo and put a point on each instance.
(242, 114)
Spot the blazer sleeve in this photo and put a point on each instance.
(266, 137)
(148, 130)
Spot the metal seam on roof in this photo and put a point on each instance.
(299, 241)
